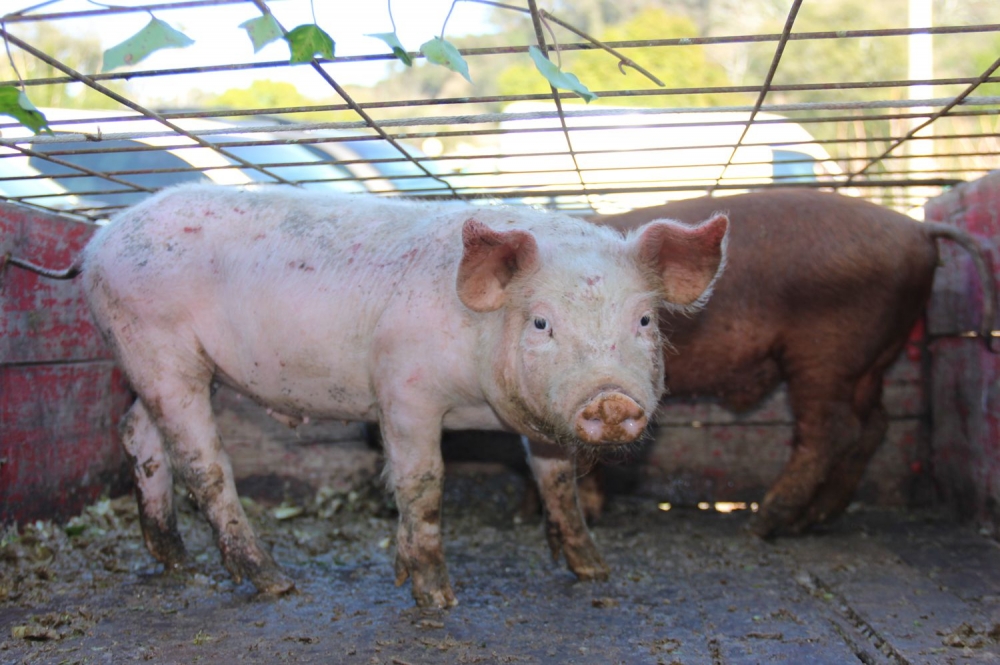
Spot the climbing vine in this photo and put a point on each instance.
(307, 42)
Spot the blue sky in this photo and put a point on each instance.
(218, 38)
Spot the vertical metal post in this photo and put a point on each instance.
(920, 148)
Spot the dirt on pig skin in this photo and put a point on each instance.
(685, 586)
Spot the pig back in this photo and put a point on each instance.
(801, 265)
(275, 289)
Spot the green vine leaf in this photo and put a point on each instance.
(557, 77)
(155, 36)
(308, 40)
(15, 103)
(262, 31)
(392, 41)
(442, 53)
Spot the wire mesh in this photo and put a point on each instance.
(637, 146)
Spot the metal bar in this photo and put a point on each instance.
(487, 118)
(522, 193)
(24, 46)
(536, 21)
(369, 121)
(792, 87)
(322, 140)
(955, 102)
(467, 174)
(495, 156)
(17, 17)
(778, 51)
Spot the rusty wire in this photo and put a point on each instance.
(318, 68)
(858, 172)
(765, 87)
(125, 102)
(536, 20)
(573, 46)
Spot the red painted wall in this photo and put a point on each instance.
(965, 377)
(60, 393)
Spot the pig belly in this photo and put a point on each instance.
(300, 361)
(295, 395)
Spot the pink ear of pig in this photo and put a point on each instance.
(490, 260)
(689, 258)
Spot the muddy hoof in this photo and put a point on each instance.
(595, 573)
(587, 563)
(440, 598)
(429, 584)
(762, 528)
(166, 546)
(273, 583)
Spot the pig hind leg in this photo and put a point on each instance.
(825, 426)
(554, 469)
(172, 377)
(154, 486)
(415, 472)
(846, 473)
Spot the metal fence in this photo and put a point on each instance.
(867, 138)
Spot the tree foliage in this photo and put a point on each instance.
(81, 53)
(683, 67)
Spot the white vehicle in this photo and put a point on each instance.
(674, 155)
(145, 153)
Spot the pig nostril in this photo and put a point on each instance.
(611, 418)
(633, 426)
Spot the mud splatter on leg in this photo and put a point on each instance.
(416, 476)
(565, 528)
(196, 454)
(153, 486)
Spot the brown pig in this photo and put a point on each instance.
(820, 292)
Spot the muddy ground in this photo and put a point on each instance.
(687, 586)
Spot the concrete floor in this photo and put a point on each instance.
(687, 586)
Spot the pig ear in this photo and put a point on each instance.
(688, 258)
(489, 262)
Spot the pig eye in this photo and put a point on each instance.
(645, 320)
(541, 323)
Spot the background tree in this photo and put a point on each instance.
(81, 53)
(683, 67)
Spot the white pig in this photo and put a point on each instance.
(418, 316)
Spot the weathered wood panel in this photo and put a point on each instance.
(965, 377)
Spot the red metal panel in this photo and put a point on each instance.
(43, 320)
(61, 396)
(60, 444)
(956, 304)
(965, 377)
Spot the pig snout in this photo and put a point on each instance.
(610, 417)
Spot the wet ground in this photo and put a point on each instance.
(687, 586)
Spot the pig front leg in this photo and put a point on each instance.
(554, 469)
(415, 472)
(154, 486)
